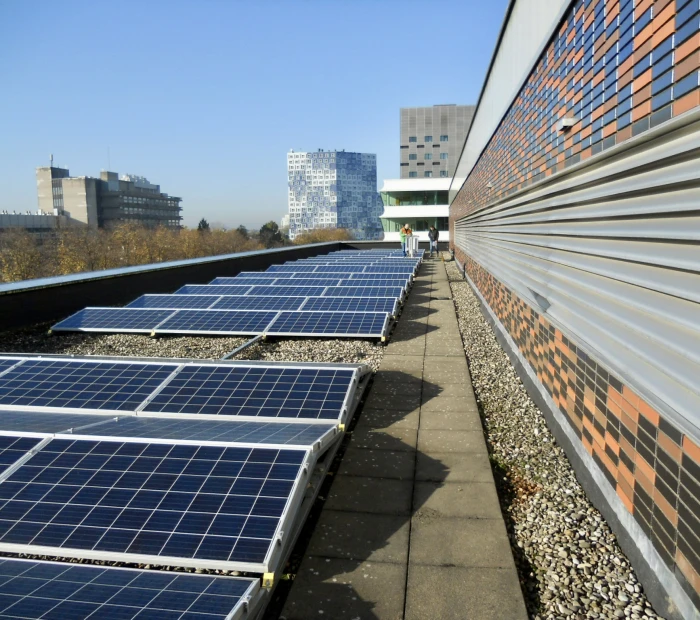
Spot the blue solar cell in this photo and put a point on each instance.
(173, 301)
(377, 282)
(294, 291)
(326, 281)
(35, 589)
(6, 364)
(208, 289)
(244, 275)
(342, 269)
(243, 322)
(407, 269)
(371, 324)
(138, 320)
(276, 432)
(81, 385)
(249, 281)
(14, 448)
(295, 267)
(181, 501)
(364, 291)
(352, 304)
(256, 391)
(257, 302)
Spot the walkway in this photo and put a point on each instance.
(412, 528)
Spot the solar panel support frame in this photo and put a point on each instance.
(45, 439)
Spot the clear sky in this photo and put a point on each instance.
(206, 97)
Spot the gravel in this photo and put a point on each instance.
(38, 340)
(568, 559)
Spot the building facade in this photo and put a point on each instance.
(334, 189)
(432, 139)
(420, 203)
(105, 201)
(574, 216)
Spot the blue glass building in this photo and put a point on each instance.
(334, 189)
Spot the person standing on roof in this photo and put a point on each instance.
(433, 235)
(405, 233)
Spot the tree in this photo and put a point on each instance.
(319, 235)
(243, 231)
(270, 235)
(203, 225)
(20, 256)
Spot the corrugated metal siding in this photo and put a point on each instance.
(611, 253)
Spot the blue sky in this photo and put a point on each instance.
(206, 97)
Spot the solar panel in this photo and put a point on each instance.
(82, 385)
(45, 422)
(174, 301)
(35, 589)
(294, 267)
(352, 304)
(398, 278)
(261, 279)
(211, 506)
(134, 320)
(340, 269)
(256, 391)
(217, 322)
(407, 269)
(258, 302)
(280, 433)
(208, 289)
(245, 275)
(364, 324)
(295, 291)
(7, 363)
(377, 282)
(14, 448)
(364, 291)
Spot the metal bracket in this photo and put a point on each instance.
(268, 580)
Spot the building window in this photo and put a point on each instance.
(443, 155)
(428, 156)
(412, 138)
(443, 173)
(428, 173)
(404, 146)
(443, 138)
(412, 156)
(428, 138)
(412, 175)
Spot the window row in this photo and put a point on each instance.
(428, 139)
(427, 174)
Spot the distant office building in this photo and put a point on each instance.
(420, 203)
(105, 201)
(432, 139)
(41, 225)
(334, 189)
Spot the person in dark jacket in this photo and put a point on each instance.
(433, 235)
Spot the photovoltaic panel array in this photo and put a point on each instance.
(269, 303)
(245, 390)
(35, 589)
(159, 502)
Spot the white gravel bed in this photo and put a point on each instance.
(38, 340)
(567, 557)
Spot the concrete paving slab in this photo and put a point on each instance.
(407, 347)
(473, 500)
(386, 418)
(361, 536)
(409, 402)
(396, 383)
(454, 593)
(439, 397)
(399, 465)
(450, 420)
(443, 350)
(437, 442)
(392, 438)
(347, 590)
(453, 467)
(474, 543)
(444, 373)
(374, 495)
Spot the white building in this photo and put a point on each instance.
(421, 203)
(334, 189)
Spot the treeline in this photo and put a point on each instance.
(24, 256)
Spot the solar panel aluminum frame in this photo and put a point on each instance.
(121, 330)
(382, 336)
(218, 298)
(156, 331)
(393, 313)
(246, 608)
(273, 555)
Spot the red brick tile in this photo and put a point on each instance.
(688, 571)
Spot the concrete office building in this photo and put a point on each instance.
(432, 139)
(334, 189)
(105, 201)
(574, 213)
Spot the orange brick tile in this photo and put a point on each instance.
(626, 494)
(625, 66)
(691, 449)
(629, 409)
(641, 110)
(666, 26)
(626, 446)
(609, 129)
(642, 8)
(625, 474)
(624, 134)
(630, 397)
(688, 571)
(645, 35)
(687, 47)
(642, 81)
(689, 64)
(643, 469)
(648, 412)
(611, 443)
(669, 511)
(670, 446)
(611, 13)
